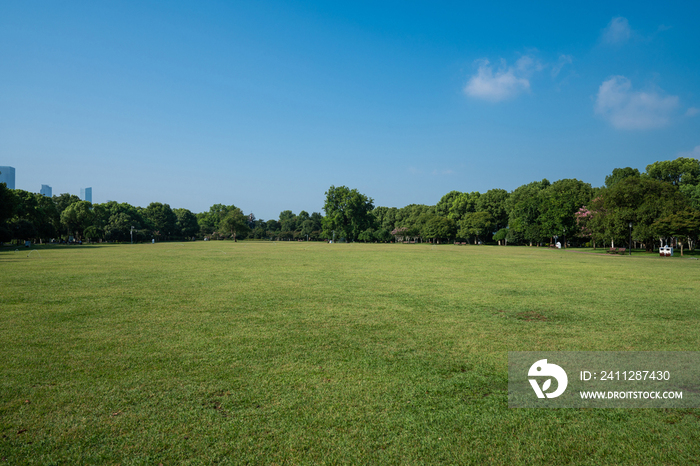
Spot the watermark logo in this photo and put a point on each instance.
(542, 369)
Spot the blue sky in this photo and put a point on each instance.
(266, 104)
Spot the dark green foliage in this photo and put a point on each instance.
(477, 225)
(288, 221)
(619, 174)
(494, 201)
(413, 217)
(160, 219)
(559, 202)
(437, 229)
(444, 206)
(234, 223)
(8, 203)
(348, 213)
(366, 236)
(386, 217)
(23, 230)
(681, 224)
(640, 200)
(186, 223)
(682, 171)
(383, 236)
(64, 200)
(77, 217)
(692, 192)
(524, 208)
(501, 235)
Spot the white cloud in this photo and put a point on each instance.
(693, 154)
(627, 109)
(692, 111)
(504, 83)
(617, 32)
(563, 61)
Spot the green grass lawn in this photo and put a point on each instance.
(310, 353)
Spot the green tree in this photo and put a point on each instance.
(437, 228)
(77, 217)
(477, 225)
(160, 219)
(62, 201)
(641, 201)
(560, 201)
(501, 236)
(207, 223)
(494, 202)
(36, 209)
(692, 192)
(186, 223)
(92, 232)
(8, 204)
(119, 227)
(383, 236)
(49, 220)
(524, 208)
(348, 213)
(682, 171)
(619, 174)
(685, 225)
(120, 220)
(463, 204)
(385, 217)
(23, 229)
(444, 206)
(411, 219)
(288, 221)
(307, 228)
(366, 236)
(235, 223)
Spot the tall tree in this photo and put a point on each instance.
(560, 202)
(477, 225)
(681, 171)
(494, 201)
(641, 201)
(288, 221)
(348, 212)
(437, 228)
(64, 200)
(186, 223)
(444, 206)
(8, 203)
(692, 192)
(411, 218)
(235, 223)
(161, 219)
(77, 217)
(685, 225)
(386, 217)
(462, 205)
(619, 174)
(524, 208)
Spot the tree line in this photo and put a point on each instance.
(662, 202)
(26, 216)
(652, 207)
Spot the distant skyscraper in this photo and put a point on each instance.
(7, 175)
(86, 194)
(45, 190)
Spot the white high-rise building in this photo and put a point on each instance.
(45, 190)
(7, 175)
(86, 194)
